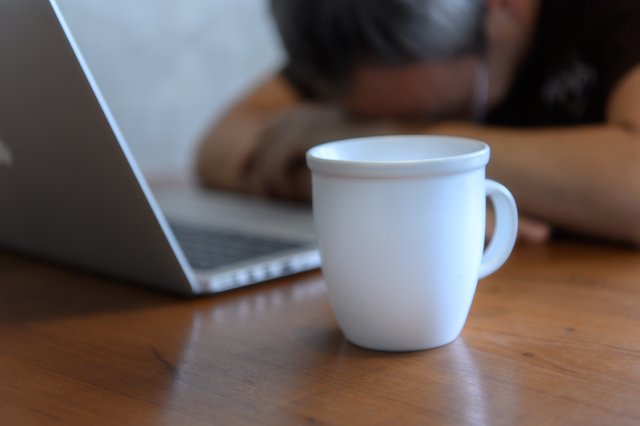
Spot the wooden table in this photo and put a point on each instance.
(552, 338)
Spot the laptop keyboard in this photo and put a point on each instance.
(207, 248)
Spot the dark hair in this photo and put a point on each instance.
(326, 39)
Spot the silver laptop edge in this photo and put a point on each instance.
(142, 182)
(107, 220)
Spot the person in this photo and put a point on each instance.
(553, 87)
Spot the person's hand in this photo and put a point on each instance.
(276, 166)
(224, 154)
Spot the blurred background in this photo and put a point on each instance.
(168, 68)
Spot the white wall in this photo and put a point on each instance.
(167, 68)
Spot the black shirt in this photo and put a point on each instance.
(581, 51)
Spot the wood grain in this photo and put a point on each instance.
(552, 338)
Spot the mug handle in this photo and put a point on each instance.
(506, 228)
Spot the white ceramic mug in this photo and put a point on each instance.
(401, 229)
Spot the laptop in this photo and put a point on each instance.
(71, 191)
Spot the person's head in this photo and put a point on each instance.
(397, 57)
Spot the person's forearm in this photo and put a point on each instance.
(584, 179)
(277, 165)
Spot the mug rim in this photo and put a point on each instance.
(319, 162)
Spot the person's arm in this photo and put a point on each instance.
(226, 150)
(259, 145)
(584, 179)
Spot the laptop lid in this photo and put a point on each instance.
(70, 189)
